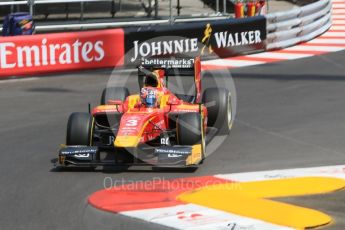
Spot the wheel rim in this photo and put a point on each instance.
(229, 111)
(203, 141)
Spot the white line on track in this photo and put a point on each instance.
(338, 1)
(336, 171)
(315, 48)
(338, 11)
(338, 6)
(209, 219)
(233, 63)
(338, 16)
(329, 41)
(284, 56)
(335, 27)
(334, 34)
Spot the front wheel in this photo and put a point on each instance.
(79, 129)
(190, 131)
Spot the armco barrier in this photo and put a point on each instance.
(298, 25)
(47, 53)
(40, 54)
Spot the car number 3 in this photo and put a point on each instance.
(131, 123)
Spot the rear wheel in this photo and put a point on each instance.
(190, 131)
(218, 104)
(114, 93)
(79, 129)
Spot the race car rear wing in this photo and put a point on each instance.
(174, 67)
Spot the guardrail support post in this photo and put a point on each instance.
(170, 12)
(224, 6)
(178, 7)
(31, 6)
(67, 10)
(81, 11)
(156, 8)
(217, 6)
(113, 10)
(149, 13)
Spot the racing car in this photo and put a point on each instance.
(156, 126)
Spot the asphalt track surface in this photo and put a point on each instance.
(289, 115)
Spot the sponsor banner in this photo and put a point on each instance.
(47, 53)
(223, 38)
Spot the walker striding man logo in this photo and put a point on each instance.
(206, 40)
(198, 40)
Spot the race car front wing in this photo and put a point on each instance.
(164, 156)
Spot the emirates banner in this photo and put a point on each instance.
(222, 38)
(45, 53)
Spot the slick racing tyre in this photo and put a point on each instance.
(190, 131)
(79, 129)
(218, 104)
(114, 93)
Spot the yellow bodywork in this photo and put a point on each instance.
(133, 100)
(126, 141)
(196, 156)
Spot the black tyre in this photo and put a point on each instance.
(79, 129)
(189, 130)
(218, 104)
(188, 127)
(114, 93)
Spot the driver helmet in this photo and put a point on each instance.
(148, 97)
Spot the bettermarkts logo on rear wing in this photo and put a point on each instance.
(165, 63)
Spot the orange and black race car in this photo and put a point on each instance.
(157, 127)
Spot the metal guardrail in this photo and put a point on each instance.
(152, 6)
(298, 25)
(32, 3)
(107, 25)
(7, 3)
(103, 25)
(88, 26)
